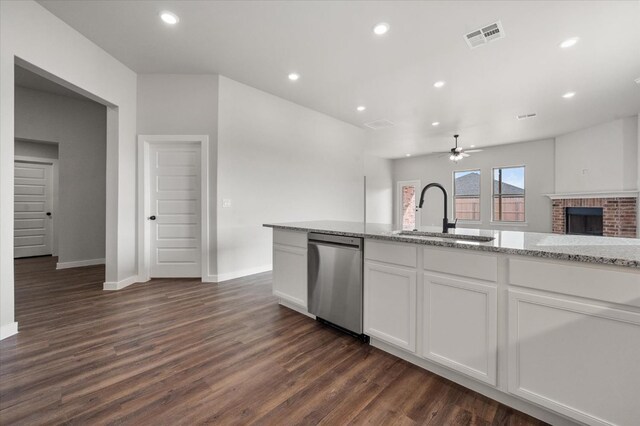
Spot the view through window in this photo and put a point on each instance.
(508, 194)
(466, 193)
(408, 207)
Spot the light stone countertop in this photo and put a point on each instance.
(578, 248)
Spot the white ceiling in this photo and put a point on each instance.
(343, 65)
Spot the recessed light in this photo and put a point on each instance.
(569, 95)
(407, 155)
(435, 123)
(381, 28)
(472, 146)
(294, 76)
(361, 108)
(169, 18)
(569, 42)
(438, 84)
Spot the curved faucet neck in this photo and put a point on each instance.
(444, 193)
(445, 221)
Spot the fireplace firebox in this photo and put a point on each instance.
(584, 220)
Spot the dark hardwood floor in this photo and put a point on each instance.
(177, 351)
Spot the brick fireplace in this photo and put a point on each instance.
(619, 214)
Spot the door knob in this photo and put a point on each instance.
(152, 218)
(48, 213)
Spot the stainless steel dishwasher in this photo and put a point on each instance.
(335, 281)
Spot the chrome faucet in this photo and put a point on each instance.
(445, 221)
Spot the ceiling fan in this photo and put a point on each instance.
(457, 153)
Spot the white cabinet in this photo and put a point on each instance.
(459, 325)
(390, 304)
(290, 267)
(577, 358)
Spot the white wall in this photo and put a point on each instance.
(536, 156)
(379, 194)
(34, 35)
(80, 130)
(279, 162)
(598, 158)
(36, 149)
(170, 104)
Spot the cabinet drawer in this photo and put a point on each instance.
(290, 238)
(398, 254)
(461, 262)
(605, 284)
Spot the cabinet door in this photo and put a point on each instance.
(390, 304)
(460, 326)
(290, 274)
(576, 358)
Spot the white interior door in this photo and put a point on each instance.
(33, 203)
(175, 212)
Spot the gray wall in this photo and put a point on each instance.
(537, 156)
(79, 128)
(598, 158)
(379, 194)
(279, 162)
(170, 104)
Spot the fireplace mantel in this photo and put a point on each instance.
(607, 194)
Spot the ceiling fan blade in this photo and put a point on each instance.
(474, 150)
(464, 154)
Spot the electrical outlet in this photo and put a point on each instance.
(226, 203)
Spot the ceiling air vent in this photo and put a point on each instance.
(525, 116)
(379, 124)
(484, 35)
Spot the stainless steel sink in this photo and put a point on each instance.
(479, 238)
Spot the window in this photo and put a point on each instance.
(407, 193)
(466, 195)
(508, 194)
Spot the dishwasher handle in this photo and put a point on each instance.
(334, 245)
(335, 240)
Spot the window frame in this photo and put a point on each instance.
(453, 201)
(524, 195)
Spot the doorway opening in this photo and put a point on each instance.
(60, 169)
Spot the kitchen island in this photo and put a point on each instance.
(548, 324)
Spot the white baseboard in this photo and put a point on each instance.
(78, 263)
(8, 330)
(119, 285)
(236, 274)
